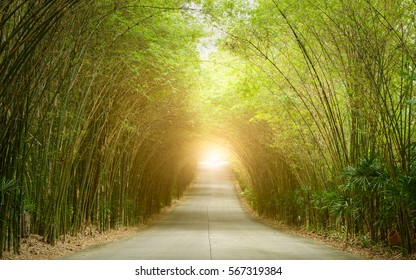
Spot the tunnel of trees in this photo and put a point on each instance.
(104, 104)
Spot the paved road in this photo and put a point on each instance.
(209, 223)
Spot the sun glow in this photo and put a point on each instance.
(214, 157)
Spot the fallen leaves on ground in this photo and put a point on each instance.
(35, 247)
(356, 247)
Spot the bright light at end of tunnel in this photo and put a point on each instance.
(214, 158)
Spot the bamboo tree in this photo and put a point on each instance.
(332, 86)
(87, 90)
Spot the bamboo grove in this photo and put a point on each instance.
(103, 104)
(320, 113)
(94, 114)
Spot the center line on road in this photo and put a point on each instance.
(209, 230)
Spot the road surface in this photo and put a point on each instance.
(210, 223)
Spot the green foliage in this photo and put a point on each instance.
(318, 94)
(8, 186)
(95, 105)
(102, 104)
(368, 177)
(250, 196)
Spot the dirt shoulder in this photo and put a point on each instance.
(356, 247)
(34, 248)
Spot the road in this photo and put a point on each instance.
(210, 223)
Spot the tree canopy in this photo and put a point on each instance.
(104, 106)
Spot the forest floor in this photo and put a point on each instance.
(359, 247)
(35, 248)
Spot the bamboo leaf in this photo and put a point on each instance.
(8, 185)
